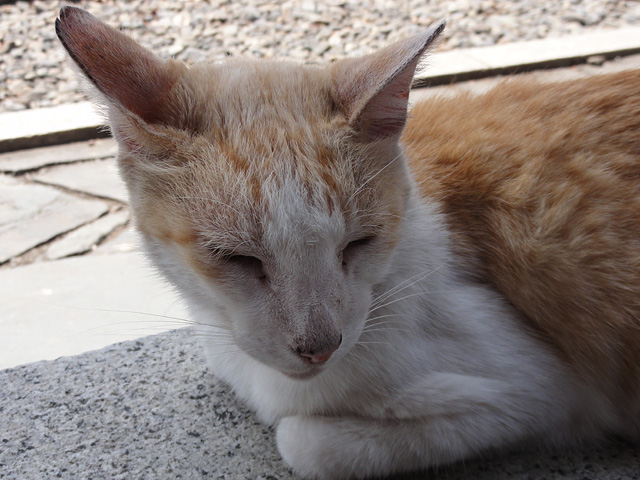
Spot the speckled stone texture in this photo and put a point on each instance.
(148, 409)
(145, 409)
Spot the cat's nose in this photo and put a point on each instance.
(317, 356)
(311, 358)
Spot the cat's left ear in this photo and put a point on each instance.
(373, 91)
(126, 74)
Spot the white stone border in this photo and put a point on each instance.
(471, 63)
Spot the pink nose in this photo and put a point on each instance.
(316, 358)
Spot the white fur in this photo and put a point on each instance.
(447, 370)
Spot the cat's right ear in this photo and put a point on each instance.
(373, 91)
(129, 76)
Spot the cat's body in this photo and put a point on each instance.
(541, 188)
(372, 316)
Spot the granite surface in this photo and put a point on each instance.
(144, 409)
(149, 409)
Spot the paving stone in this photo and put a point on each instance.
(86, 237)
(127, 241)
(98, 178)
(34, 158)
(77, 304)
(32, 214)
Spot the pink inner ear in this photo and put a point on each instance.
(124, 71)
(386, 112)
(374, 90)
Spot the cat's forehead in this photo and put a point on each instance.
(249, 93)
(264, 124)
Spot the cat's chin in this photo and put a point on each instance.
(305, 375)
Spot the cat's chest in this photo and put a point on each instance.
(343, 389)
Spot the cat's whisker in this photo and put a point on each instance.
(219, 337)
(391, 302)
(226, 352)
(391, 324)
(130, 312)
(361, 187)
(386, 329)
(372, 320)
(172, 305)
(150, 324)
(157, 325)
(371, 325)
(401, 286)
(352, 352)
(213, 333)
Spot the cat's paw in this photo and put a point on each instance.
(308, 446)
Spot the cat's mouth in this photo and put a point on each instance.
(310, 372)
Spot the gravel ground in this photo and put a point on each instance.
(34, 73)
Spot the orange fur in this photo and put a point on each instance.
(541, 187)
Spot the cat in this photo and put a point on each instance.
(394, 291)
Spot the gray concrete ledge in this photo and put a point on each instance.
(75, 122)
(148, 409)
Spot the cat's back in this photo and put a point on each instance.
(541, 187)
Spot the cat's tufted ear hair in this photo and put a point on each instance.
(373, 91)
(127, 74)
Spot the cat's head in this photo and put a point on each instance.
(271, 193)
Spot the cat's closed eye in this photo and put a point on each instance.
(353, 248)
(248, 264)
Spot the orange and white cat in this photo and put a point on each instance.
(390, 300)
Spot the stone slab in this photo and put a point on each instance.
(32, 214)
(49, 126)
(149, 409)
(466, 64)
(70, 306)
(561, 51)
(34, 158)
(99, 178)
(127, 241)
(88, 236)
(482, 85)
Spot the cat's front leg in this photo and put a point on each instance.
(335, 448)
(319, 447)
(324, 448)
